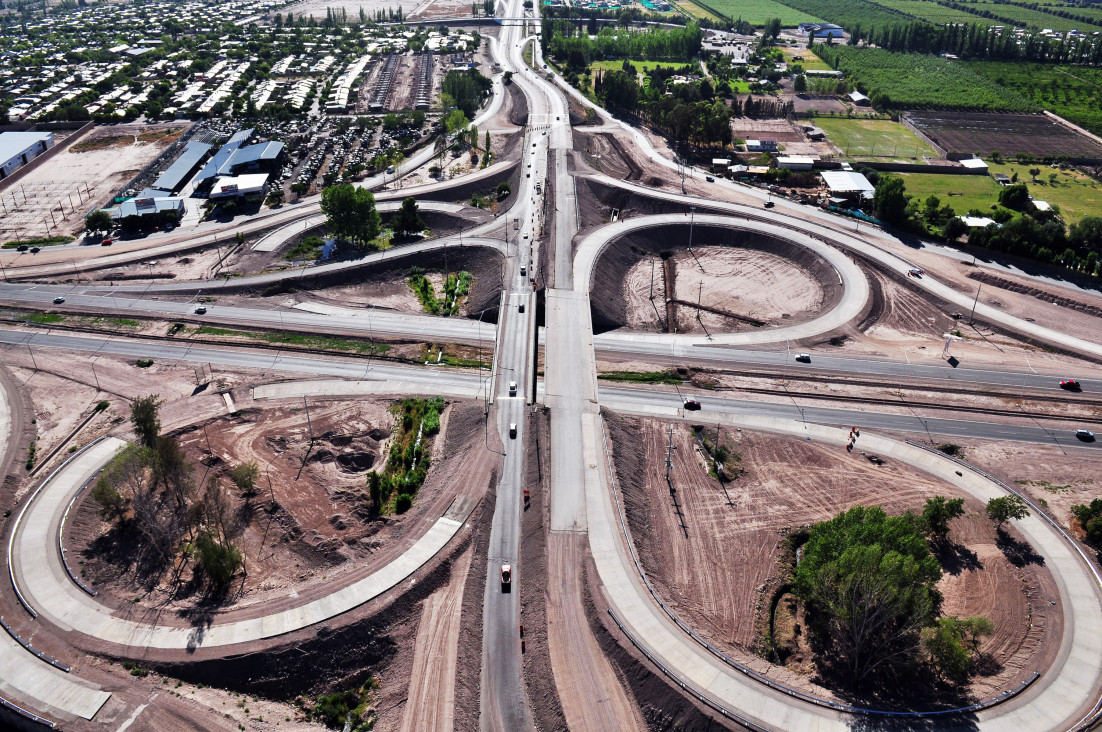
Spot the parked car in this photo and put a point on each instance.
(1070, 385)
(58, 300)
(1085, 435)
(692, 404)
(803, 357)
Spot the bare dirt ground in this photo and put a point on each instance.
(317, 8)
(441, 9)
(780, 130)
(112, 156)
(751, 283)
(431, 703)
(712, 554)
(310, 528)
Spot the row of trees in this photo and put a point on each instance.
(869, 581)
(980, 41)
(149, 489)
(569, 43)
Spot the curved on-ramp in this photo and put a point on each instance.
(855, 285)
(41, 577)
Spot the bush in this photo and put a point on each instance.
(102, 406)
(220, 561)
(503, 189)
(144, 363)
(403, 503)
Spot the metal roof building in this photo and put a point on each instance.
(844, 181)
(19, 148)
(174, 178)
(147, 207)
(233, 159)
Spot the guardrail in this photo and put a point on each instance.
(27, 713)
(19, 520)
(61, 541)
(34, 651)
(765, 680)
(1096, 711)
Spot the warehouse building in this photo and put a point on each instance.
(19, 148)
(239, 186)
(177, 174)
(236, 158)
(848, 186)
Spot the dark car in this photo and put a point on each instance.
(36, 250)
(58, 300)
(1085, 435)
(803, 357)
(1070, 385)
(769, 204)
(692, 404)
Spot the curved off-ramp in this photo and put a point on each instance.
(41, 577)
(888, 260)
(855, 286)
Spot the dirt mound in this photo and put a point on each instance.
(1065, 302)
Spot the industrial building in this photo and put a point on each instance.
(19, 148)
(235, 158)
(848, 186)
(239, 186)
(821, 30)
(149, 204)
(176, 175)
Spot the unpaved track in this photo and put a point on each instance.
(431, 703)
(591, 695)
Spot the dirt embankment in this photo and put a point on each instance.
(712, 552)
(542, 693)
(1065, 302)
(621, 282)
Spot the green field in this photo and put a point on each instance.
(640, 66)
(873, 138)
(759, 12)
(696, 11)
(1030, 17)
(851, 13)
(1073, 92)
(1076, 194)
(805, 58)
(933, 12)
(921, 81)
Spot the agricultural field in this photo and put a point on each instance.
(805, 58)
(1009, 134)
(920, 81)
(932, 12)
(695, 11)
(640, 66)
(873, 138)
(1076, 194)
(1073, 92)
(1030, 17)
(759, 12)
(851, 13)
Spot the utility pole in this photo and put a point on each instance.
(669, 457)
(308, 423)
(972, 317)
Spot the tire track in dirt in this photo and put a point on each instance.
(431, 703)
(592, 698)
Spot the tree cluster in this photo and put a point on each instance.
(150, 489)
(350, 213)
(465, 90)
(570, 44)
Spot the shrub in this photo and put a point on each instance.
(403, 503)
(219, 560)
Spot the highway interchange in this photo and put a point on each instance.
(582, 505)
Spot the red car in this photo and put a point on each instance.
(1070, 384)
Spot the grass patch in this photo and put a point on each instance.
(351, 709)
(456, 286)
(308, 249)
(641, 66)
(692, 9)
(44, 318)
(642, 377)
(102, 143)
(116, 322)
(311, 342)
(45, 241)
(962, 192)
(873, 138)
(408, 461)
(805, 58)
(1045, 485)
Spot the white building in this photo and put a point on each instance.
(19, 148)
(239, 186)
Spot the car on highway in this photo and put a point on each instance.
(201, 310)
(506, 574)
(512, 388)
(524, 268)
(107, 242)
(36, 250)
(513, 430)
(769, 204)
(1070, 385)
(1085, 435)
(710, 179)
(58, 300)
(915, 272)
(692, 404)
(803, 357)
(22, 248)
